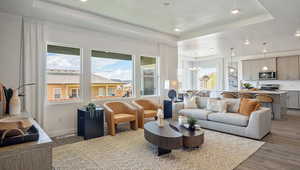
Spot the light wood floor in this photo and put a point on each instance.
(282, 148)
(281, 151)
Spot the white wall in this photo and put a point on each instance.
(61, 119)
(10, 33)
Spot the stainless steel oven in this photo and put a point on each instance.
(267, 75)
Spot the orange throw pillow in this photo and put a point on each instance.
(248, 106)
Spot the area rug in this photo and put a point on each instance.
(129, 150)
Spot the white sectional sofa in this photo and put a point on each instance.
(255, 126)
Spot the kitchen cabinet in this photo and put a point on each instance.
(293, 99)
(251, 68)
(288, 68)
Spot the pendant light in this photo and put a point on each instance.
(265, 68)
(231, 69)
(235, 10)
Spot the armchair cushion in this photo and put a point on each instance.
(150, 113)
(123, 117)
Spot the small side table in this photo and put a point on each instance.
(90, 127)
(168, 108)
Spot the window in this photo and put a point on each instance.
(74, 93)
(149, 75)
(101, 91)
(113, 71)
(57, 93)
(111, 91)
(63, 73)
(207, 77)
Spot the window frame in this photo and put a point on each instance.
(110, 98)
(81, 83)
(54, 93)
(100, 88)
(156, 76)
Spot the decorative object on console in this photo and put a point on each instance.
(160, 118)
(15, 103)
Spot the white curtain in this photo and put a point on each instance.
(34, 51)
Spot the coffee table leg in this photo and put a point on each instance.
(162, 151)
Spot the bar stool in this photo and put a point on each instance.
(246, 95)
(266, 100)
(230, 95)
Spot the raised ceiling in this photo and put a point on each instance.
(278, 33)
(192, 17)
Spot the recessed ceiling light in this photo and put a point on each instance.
(297, 34)
(235, 11)
(247, 42)
(177, 29)
(83, 0)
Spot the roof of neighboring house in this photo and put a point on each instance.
(72, 77)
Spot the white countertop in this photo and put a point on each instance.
(259, 91)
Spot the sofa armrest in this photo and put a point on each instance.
(176, 107)
(260, 123)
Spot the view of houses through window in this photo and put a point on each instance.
(63, 73)
(111, 74)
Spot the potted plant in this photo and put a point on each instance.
(247, 86)
(91, 108)
(192, 122)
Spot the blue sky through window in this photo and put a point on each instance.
(108, 68)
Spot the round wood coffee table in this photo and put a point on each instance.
(165, 138)
(191, 139)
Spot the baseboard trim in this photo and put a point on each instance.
(61, 132)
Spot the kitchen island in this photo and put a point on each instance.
(279, 101)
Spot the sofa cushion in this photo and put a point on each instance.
(229, 118)
(189, 102)
(195, 113)
(201, 102)
(216, 105)
(248, 106)
(233, 105)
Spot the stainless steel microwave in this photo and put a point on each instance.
(267, 76)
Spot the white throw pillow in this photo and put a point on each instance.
(222, 106)
(190, 103)
(216, 105)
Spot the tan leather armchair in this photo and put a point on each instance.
(146, 109)
(118, 112)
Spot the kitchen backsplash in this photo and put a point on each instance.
(284, 85)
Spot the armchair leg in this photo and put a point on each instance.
(134, 125)
(112, 130)
(141, 122)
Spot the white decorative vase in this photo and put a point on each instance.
(15, 103)
(160, 118)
